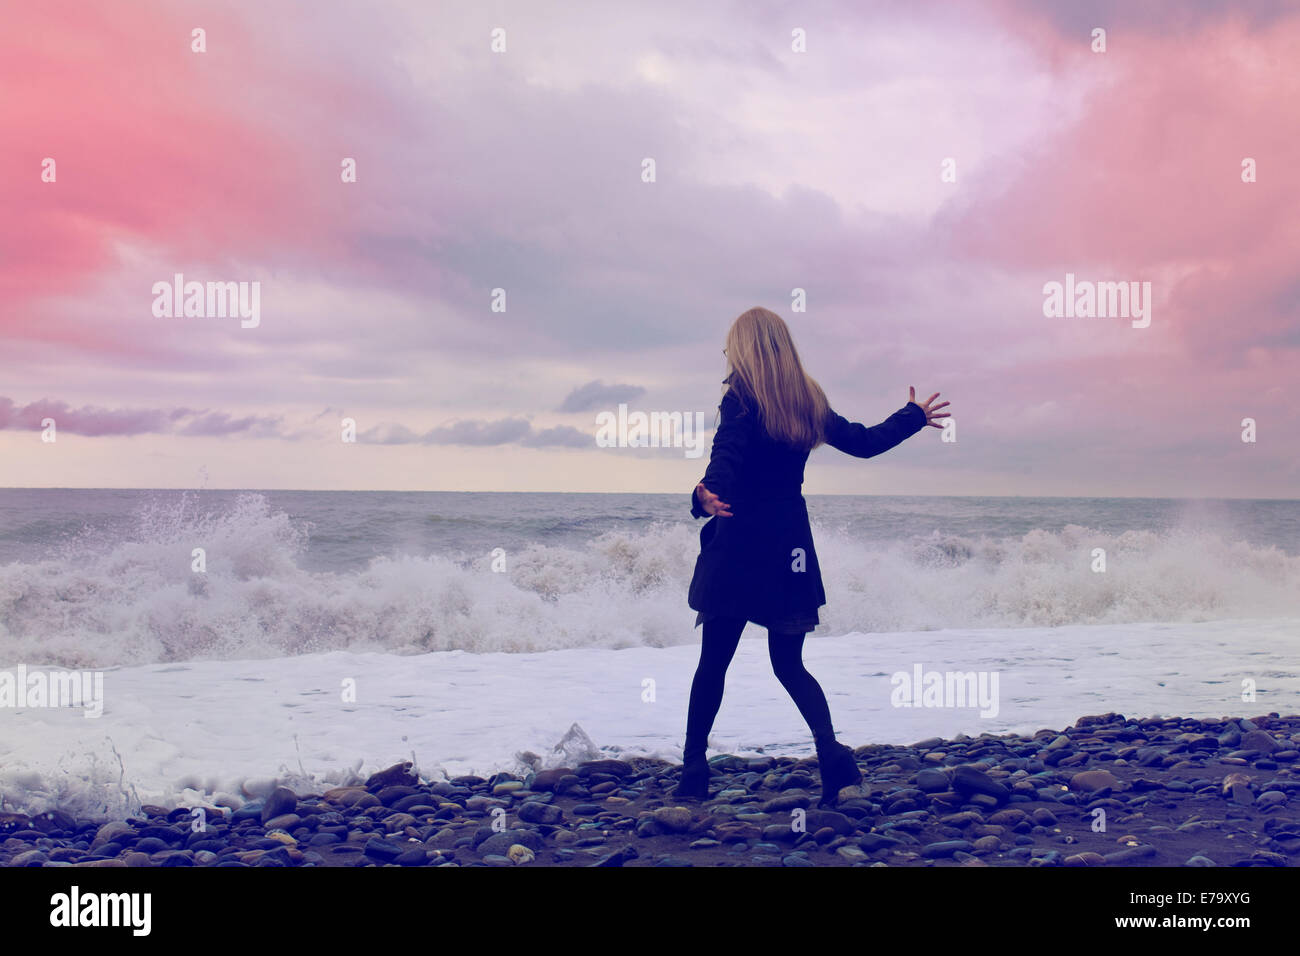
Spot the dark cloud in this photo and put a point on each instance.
(563, 436)
(389, 434)
(500, 432)
(1150, 16)
(504, 431)
(93, 421)
(597, 395)
(219, 423)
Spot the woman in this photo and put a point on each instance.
(757, 562)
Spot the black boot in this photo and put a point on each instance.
(839, 769)
(694, 784)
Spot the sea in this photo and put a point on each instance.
(241, 640)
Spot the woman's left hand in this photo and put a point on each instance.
(930, 410)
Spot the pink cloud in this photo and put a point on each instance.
(95, 421)
(229, 156)
(1148, 181)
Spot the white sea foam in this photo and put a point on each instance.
(133, 599)
(199, 732)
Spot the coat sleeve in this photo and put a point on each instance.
(728, 449)
(863, 442)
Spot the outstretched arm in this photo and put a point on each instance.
(728, 448)
(863, 442)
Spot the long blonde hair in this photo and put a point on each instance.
(763, 369)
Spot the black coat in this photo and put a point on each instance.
(760, 564)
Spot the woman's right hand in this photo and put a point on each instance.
(929, 409)
(712, 503)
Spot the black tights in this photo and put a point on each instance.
(721, 638)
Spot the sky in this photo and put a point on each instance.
(920, 171)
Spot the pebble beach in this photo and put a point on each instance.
(1105, 791)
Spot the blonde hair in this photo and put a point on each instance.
(764, 370)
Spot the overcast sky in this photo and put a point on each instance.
(523, 170)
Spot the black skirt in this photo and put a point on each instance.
(800, 623)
